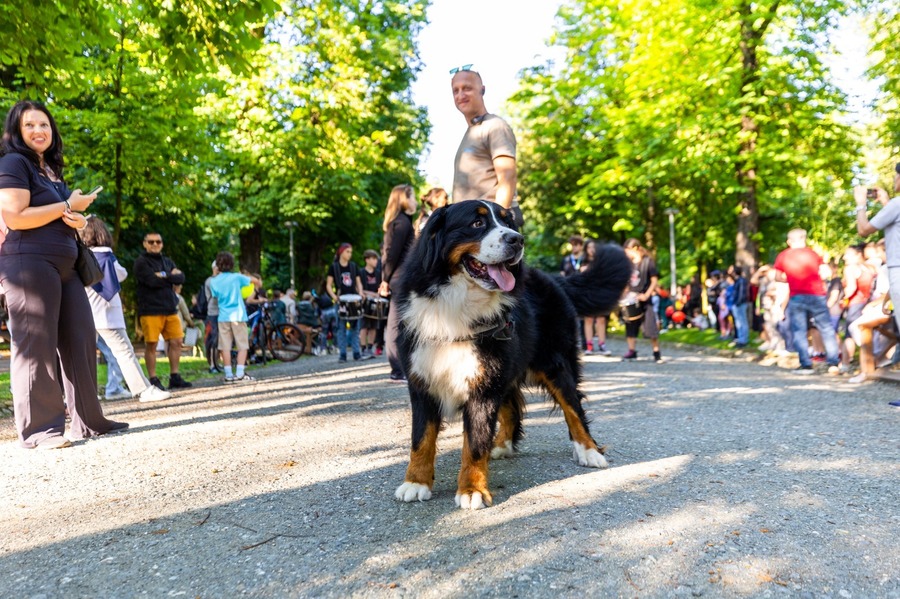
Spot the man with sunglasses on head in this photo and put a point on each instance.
(156, 276)
(485, 165)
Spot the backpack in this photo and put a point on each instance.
(199, 311)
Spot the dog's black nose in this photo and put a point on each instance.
(513, 239)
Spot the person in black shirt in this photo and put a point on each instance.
(157, 302)
(343, 280)
(644, 281)
(50, 318)
(399, 235)
(371, 281)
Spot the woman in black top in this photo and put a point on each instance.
(49, 314)
(643, 284)
(398, 238)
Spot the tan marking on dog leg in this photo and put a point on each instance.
(472, 490)
(503, 441)
(584, 451)
(421, 459)
(577, 430)
(420, 472)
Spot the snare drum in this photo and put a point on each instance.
(350, 306)
(377, 308)
(631, 309)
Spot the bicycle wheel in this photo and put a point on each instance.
(257, 352)
(286, 342)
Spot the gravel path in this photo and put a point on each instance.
(727, 479)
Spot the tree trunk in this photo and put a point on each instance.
(118, 175)
(746, 247)
(251, 249)
(650, 219)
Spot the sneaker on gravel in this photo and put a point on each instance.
(603, 351)
(804, 370)
(246, 378)
(630, 355)
(229, 379)
(153, 393)
(859, 378)
(154, 380)
(117, 395)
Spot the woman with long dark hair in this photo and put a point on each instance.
(399, 235)
(49, 315)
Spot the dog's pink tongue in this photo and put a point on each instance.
(504, 279)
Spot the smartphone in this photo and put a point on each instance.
(872, 194)
(97, 189)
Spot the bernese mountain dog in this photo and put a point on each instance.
(475, 326)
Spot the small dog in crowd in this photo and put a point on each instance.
(476, 325)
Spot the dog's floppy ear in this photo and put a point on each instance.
(431, 240)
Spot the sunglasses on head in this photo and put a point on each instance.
(465, 67)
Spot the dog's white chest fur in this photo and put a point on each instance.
(448, 370)
(444, 356)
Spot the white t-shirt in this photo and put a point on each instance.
(888, 220)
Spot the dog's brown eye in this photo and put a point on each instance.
(478, 223)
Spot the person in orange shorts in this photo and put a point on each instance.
(158, 308)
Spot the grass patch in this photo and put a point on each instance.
(692, 336)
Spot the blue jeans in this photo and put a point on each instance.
(741, 324)
(114, 377)
(348, 332)
(800, 309)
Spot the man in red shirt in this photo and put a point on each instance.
(799, 267)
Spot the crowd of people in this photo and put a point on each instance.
(824, 312)
(798, 303)
(49, 245)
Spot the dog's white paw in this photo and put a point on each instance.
(472, 501)
(412, 491)
(504, 451)
(588, 457)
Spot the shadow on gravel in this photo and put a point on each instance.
(717, 487)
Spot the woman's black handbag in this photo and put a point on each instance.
(86, 264)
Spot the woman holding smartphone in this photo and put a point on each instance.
(50, 318)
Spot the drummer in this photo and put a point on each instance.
(344, 285)
(371, 280)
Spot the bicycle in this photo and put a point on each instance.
(268, 341)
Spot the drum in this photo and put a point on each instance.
(631, 310)
(377, 308)
(350, 306)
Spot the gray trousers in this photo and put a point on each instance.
(54, 349)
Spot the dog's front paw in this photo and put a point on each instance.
(473, 501)
(503, 451)
(412, 491)
(591, 458)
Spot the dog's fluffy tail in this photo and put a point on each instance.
(598, 289)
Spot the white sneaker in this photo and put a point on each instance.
(153, 393)
(119, 395)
